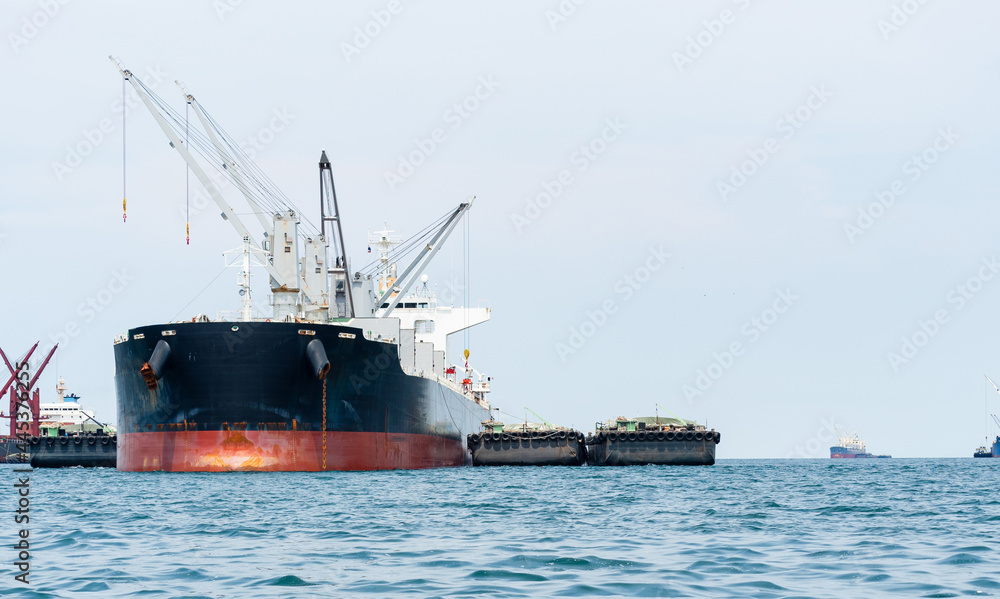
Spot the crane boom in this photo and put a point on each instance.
(992, 383)
(550, 425)
(181, 147)
(227, 161)
(13, 372)
(422, 259)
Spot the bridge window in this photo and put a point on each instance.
(424, 326)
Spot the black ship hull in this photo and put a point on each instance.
(247, 396)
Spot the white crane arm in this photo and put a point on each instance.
(423, 258)
(231, 167)
(178, 144)
(992, 383)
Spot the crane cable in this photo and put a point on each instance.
(124, 112)
(467, 295)
(408, 245)
(259, 185)
(187, 179)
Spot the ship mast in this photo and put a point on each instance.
(341, 285)
(244, 258)
(384, 241)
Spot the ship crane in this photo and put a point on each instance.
(280, 236)
(995, 419)
(423, 258)
(300, 288)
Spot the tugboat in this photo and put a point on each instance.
(527, 444)
(651, 440)
(988, 452)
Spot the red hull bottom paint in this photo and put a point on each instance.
(296, 451)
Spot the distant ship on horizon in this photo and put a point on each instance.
(851, 446)
(990, 451)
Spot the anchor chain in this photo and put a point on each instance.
(324, 423)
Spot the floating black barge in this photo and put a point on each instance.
(66, 451)
(642, 441)
(527, 447)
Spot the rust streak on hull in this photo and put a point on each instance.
(239, 450)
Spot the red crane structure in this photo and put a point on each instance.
(29, 389)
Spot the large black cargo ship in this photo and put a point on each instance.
(349, 371)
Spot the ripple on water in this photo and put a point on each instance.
(960, 559)
(288, 580)
(783, 528)
(502, 575)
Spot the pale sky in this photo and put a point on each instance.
(752, 203)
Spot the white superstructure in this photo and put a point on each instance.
(853, 443)
(65, 412)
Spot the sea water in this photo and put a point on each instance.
(741, 528)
